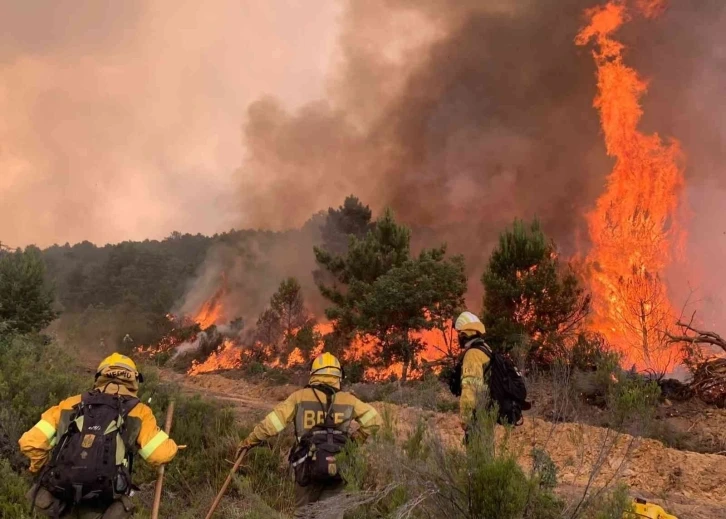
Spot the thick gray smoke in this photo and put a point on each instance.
(248, 269)
(464, 115)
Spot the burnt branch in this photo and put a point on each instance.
(693, 335)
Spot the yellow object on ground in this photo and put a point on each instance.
(642, 509)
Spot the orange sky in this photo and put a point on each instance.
(121, 120)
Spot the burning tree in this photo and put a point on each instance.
(286, 324)
(529, 294)
(634, 227)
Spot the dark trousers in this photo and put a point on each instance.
(314, 493)
(48, 505)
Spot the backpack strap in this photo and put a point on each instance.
(330, 392)
(479, 344)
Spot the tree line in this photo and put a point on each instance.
(372, 281)
(375, 286)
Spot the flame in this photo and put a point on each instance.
(211, 311)
(167, 343)
(437, 345)
(234, 355)
(634, 227)
(227, 356)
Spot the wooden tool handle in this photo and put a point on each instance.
(227, 481)
(160, 473)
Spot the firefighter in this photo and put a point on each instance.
(470, 331)
(71, 457)
(322, 415)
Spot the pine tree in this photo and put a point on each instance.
(528, 293)
(26, 299)
(421, 294)
(379, 290)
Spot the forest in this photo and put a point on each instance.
(64, 305)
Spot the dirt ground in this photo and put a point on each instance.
(691, 485)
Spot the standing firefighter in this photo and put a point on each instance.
(480, 369)
(83, 448)
(470, 332)
(322, 415)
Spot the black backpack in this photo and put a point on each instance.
(506, 384)
(313, 458)
(93, 458)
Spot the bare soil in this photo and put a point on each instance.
(691, 485)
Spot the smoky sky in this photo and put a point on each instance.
(462, 116)
(121, 120)
(125, 120)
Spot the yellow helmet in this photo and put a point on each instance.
(327, 364)
(469, 324)
(119, 361)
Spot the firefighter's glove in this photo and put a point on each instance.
(242, 447)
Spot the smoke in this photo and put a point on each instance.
(249, 266)
(462, 116)
(120, 120)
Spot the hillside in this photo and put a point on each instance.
(688, 484)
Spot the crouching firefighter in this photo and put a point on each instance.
(322, 416)
(83, 449)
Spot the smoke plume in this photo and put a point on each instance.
(120, 120)
(464, 115)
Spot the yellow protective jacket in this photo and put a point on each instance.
(304, 408)
(472, 381)
(153, 444)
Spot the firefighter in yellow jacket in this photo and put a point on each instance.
(321, 403)
(470, 329)
(118, 377)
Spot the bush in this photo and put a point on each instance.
(12, 493)
(34, 375)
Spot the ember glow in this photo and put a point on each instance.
(635, 227)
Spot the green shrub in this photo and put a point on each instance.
(611, 505)
(544, 468)
(12, 493)
(632, 402)
(34, 376)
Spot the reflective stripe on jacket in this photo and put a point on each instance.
(472, 381)
(152, 443)
(304, 408)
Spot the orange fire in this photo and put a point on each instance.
(635, 225)
(227, 356)
(211, 311)
(231, 355)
